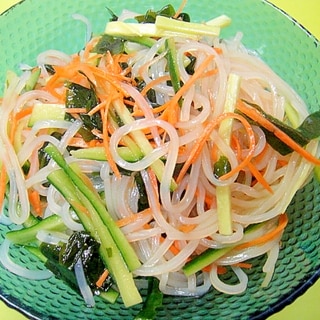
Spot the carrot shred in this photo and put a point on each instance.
(257, 174)
(210, 73)
(34, 198)
(153, 83)
(104, 116)
(218, 50)
(171, 112)
(179, 10)
(235, 144)
(13, 126)
(76, 110)
(154, 181)
(264, 122)
(174, 250)
(195, 152)
(244, 265)
(186, 228)
(133, 217)
(220, 269)
(102, 278)
(282, 163)
(23, 113)
(283, 220)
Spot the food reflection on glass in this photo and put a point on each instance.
(160, 155)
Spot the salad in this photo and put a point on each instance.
(160, 155)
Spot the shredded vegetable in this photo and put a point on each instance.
(167, 148)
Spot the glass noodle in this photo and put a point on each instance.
(181, 220)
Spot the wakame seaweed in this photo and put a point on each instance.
(63, 257)
(302, 135)
(78, 96)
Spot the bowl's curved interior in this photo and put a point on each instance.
(34, 26)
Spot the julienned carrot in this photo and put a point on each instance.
(104, 116)
(171, 112)
(102, 278)
(179, 10)
(220, 269)
(196, 151)
(283, 220)
(134, 217)
(244, 265)
(34, 198)
(3, 183)
(75, 110)
(23, 113)
(209, 73)
(13, 127)
(264, 122)
(154, 182)
(87, 53)
(170, 109)
(174, 250)
(235, 144)
(186, 228)
(257, 174)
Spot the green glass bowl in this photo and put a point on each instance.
(34, 25)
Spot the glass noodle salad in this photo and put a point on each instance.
(160, 155)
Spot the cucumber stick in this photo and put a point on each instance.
(115, 250)
(27, 235)
(141, 140)
(99, 153)
(223, 193)
(46, 111)
(129, 254)
(211, 255)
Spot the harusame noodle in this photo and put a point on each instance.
(172, 138)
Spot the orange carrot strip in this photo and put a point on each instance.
(210, 73)
(257, 174)
(13, 126)
(282, 163)
(90, 45)
(244, 265)
(153, 83)
(154, 181)
(186, 228)
(179, 10)
(195, 152)
(220, 269)
(97, 108)
(171, 107)
(23, 113)
(235, 143)
(283, 220)
(104, 116)
(102, 278)
(76, 110)
(173, 104)
(172, 248)
(133, 217)
(218, 50)
(34, 198)
(256, 116)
